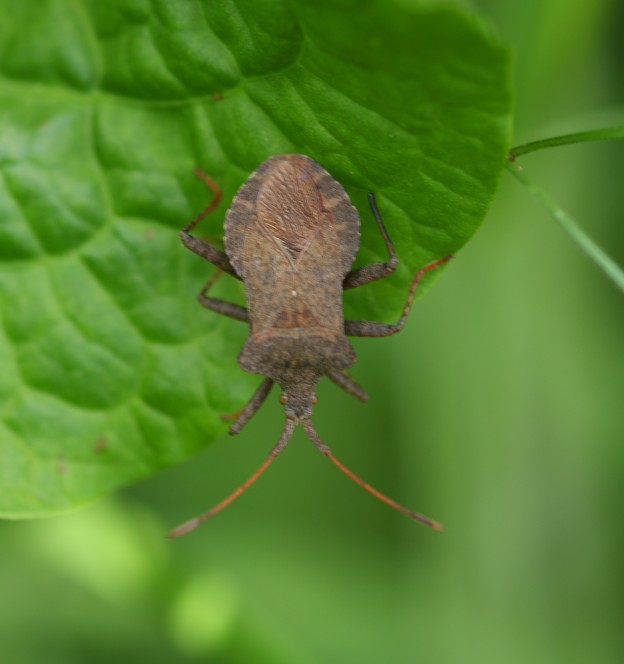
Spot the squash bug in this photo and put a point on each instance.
(291, 236)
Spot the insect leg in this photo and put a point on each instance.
(208, 252)
(243, 416)
(371, 328)
(373, 271)
(221, 306)
(201, 247)
(347, 383)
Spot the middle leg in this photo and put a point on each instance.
(372, 328)
(221, 306)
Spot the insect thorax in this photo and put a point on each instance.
(286, 354)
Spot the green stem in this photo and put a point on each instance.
(604, 262)
(567, 139)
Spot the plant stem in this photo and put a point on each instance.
(567, 139)
(602, 260)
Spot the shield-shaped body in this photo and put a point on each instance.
(292, 234)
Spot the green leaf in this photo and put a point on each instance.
(110, 369)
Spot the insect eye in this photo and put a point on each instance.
(314, 399)
(283, 399)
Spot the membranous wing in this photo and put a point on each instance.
(292, 234)
(290, 207)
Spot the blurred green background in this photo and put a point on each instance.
(497, 411)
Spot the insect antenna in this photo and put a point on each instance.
(193, 523)
(324, 449)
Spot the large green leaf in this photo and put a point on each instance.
(110, 369)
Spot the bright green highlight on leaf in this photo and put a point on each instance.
(110, 368)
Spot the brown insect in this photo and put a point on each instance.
(291, 236)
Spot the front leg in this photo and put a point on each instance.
(371, 328)
(243, 416)
(347, 383)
